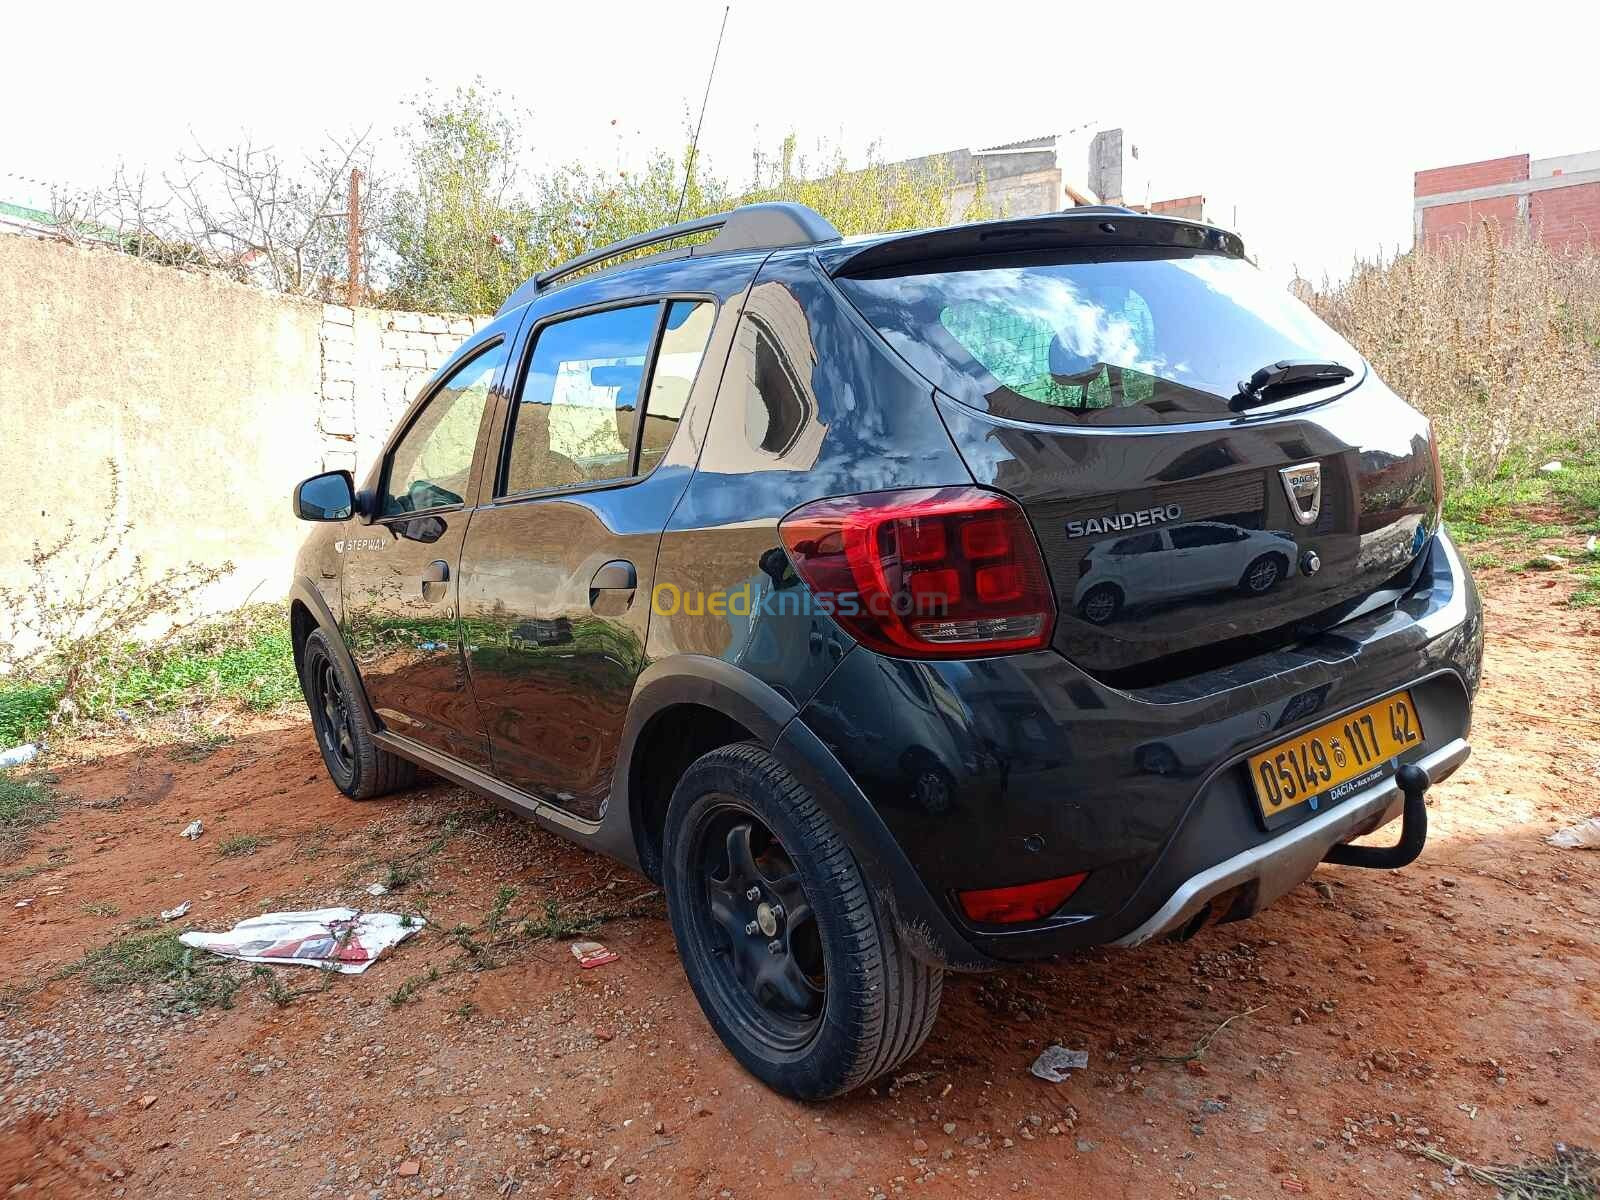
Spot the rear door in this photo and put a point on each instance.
(400, 573)
(559, 563)
(1103, 385)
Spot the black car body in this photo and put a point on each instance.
(568, 626)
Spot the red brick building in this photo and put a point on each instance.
(1557, 200)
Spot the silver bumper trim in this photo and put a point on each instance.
(1281, 863)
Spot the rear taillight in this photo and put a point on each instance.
(1024, 902)
(934, 573)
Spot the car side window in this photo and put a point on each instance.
(1143, 543)
(683, 345)
(1188, 537)
(432, 462)
(574, 420)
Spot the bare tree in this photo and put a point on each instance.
(243, 211)
(286, 229)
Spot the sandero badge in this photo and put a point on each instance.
(1116, 522)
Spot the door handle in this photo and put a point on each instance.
(434, 576)
(618, 575)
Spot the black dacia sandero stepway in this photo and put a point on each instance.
(903, 604)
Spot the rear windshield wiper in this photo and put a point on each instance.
(1290, 375)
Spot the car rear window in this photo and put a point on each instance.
(1070, 338)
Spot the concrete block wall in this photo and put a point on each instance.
(374, 362)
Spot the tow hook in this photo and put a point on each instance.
(1413, 781)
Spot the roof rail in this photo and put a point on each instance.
(748, 227)
(1101, 208)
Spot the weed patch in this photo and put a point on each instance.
(24, 805)
(1571, 1173)
(241, 844)
(178, 980)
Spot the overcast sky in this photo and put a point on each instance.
(1306, 121)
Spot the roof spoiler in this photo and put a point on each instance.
(1091, 227)
(748, 227)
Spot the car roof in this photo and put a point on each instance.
(790, 229)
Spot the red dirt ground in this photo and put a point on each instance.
(1455, 1003)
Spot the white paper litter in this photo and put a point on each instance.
(1057, 1062)
(335, 939)
(193, 829)
(1585, 835)
(377, 889)
(172, 914)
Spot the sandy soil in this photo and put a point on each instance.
(1455, 1003)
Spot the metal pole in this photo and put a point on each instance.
(353, 245)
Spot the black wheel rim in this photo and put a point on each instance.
(330, 713)
(757, 930)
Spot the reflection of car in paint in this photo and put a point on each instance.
(1183, 560)
(540, 632)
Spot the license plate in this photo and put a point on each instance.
(1324, 765)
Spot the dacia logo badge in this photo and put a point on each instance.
(1303, 485)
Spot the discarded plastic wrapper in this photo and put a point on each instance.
(377, 889)
(593, 954)
(1585, 835)
(172, 914)
(18, 755)
(1054, 1065)
(335, 939)
(193, 829)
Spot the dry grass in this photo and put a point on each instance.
(1498, 343)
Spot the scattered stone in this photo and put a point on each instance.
(950, 1128)
(409, 1168)
(146, 1101)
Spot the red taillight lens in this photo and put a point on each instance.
(1025, 902)
(934, 573)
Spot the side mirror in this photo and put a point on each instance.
(330, 496)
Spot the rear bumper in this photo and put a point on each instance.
(1258, 876)
(1011, 770)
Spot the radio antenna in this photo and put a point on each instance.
(688, 166)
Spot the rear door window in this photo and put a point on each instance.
(573, 422)
(1074, 337)
(1188, 537)
(577, 417)
(1144, 543)
(683, 345)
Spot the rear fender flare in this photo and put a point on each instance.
(774, 723)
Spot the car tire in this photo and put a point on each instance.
(1101, 604)
(1263, 574)
(357, 765)
(807, 981)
